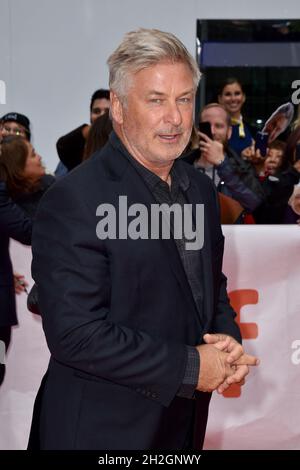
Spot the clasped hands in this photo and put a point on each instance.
(223, 362)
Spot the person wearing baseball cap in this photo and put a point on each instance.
(15, 123)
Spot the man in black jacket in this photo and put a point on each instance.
(125, 307)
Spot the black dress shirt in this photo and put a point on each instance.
(191, 260)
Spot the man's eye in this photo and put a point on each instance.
(185, 100)
(156, 100)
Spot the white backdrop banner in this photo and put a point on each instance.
(263, 268)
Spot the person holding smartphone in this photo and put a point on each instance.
(231, 175)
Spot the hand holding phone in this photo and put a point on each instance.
(205, 128)
(261, 142)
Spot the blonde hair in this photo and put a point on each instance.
(141, 49)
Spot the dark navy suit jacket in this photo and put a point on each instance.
(14, 224)
(117, 314)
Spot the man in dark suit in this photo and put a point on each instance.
(124, 307)
(14, 224)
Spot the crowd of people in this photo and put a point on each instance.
(262, 186)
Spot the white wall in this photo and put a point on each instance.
(53, 53)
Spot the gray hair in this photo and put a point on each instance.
(141, 49)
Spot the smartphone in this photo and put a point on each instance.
(297, 157)
(261, 142)
(205, 128)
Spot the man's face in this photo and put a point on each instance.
(98, 108)
(156, 120)
(217, 118)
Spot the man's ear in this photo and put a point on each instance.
(116, 108)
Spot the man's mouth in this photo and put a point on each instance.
(169, 137)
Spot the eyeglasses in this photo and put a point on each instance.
(13, 130)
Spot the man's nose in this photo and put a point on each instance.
(173, 114)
